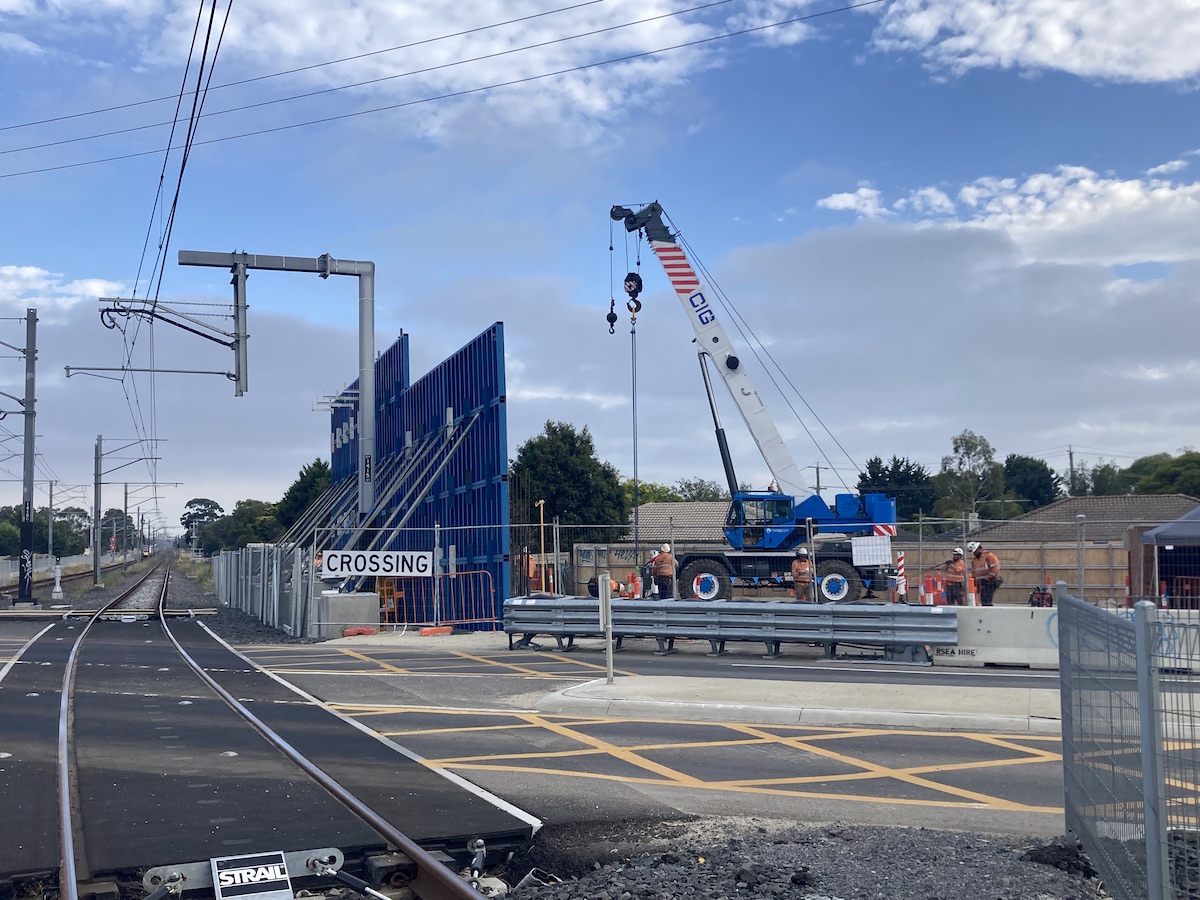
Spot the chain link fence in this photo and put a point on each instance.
(1131, 766)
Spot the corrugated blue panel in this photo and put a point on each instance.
(391, 380)
(458, 478)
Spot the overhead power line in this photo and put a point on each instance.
(371, 81)
(331, 62)
(449, 95)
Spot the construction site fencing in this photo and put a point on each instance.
(461, 599)
(1131, 762)
(272, 582)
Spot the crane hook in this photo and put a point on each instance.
(612, 316)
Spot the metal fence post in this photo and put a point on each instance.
(1145, 632)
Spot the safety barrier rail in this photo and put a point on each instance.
(903, 632)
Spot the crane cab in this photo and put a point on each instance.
(761, 520)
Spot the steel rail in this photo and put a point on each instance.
(68, 884)
(433, 881)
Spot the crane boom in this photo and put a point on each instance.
(713, 343)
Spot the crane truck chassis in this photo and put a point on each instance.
(763, 528)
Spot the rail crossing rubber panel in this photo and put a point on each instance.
(168, 773)
(29, 704)
(432, 810)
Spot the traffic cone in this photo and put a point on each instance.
(939, 592)
(926, 589)
(972, 599)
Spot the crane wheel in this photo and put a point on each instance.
(837, 582)
(705, 579)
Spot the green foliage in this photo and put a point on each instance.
(303, 492)
(1180, 475)
(1109, 479)
(1031, 479)
(251, 522)
(908, 482)
(648, 492)
(702, 489)
(72, 530)
(200, 511)
(971, 481)
(10, 539)
(560, 467)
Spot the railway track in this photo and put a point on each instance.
(147, 758)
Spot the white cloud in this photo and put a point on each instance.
(1168, 168)
(1152, 41)
(865, 202)
(1072, 214)
(24, 287)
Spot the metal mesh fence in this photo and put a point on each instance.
(1131, 769)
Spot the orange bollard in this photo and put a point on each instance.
(635, 585)
(939, 592)
(972, 599)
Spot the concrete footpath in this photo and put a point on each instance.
(933, 706)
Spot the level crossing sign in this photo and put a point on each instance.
(351, 563)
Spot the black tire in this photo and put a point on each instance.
(837, 582)
(712, 578)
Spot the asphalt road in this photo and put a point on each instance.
(471, 711)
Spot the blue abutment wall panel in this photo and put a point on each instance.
(467, 497)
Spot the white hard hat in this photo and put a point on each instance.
(803, 551)
(958, 551)
(973, 546)
(665, 548)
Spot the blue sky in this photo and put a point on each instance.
(934, 215)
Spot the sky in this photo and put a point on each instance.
(926, 217)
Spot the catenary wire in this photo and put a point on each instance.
(371, 81)
(460, 93)
(332, 62)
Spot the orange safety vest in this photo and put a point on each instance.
(953, 571)
(664, 564)
(985, 566)
(802, 571)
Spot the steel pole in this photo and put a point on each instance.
(25, 588)
(96, 513)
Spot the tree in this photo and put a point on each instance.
(304, 491)
(200, 511)
(971, 481)
(1031, 479)
(907, 481)
(251, 522)
(1144, 468)
(700, 489)
(1109, 479)
(560, 467)
(1180, 475)
(648, 492)
(10, 539)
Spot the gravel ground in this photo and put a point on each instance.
(718, 858)
(723, 858)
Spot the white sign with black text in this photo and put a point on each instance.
(352, 563)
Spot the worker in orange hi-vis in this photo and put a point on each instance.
(802, 575)
(954, 573)
(662, 566)
(985, 567)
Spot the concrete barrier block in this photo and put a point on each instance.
(1005, 636)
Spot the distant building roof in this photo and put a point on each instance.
(700, 520)
(1105, 518)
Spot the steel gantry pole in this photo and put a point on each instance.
(325, 265)
(25, 590)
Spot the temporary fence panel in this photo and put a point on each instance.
(461, 599)
(1130, 767)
